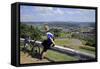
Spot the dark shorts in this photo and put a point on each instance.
(46, 45)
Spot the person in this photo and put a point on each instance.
(48, 42)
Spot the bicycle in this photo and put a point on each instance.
(34, 48)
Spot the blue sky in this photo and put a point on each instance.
(40, 14)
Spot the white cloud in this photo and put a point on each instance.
(73, 12)
(59, 11)
(27, 17)
(44, 8)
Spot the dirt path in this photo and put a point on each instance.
(25, 58)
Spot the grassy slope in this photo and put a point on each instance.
(59, 56)
(74, 44)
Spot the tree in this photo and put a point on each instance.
(31, 31)
(56, 32)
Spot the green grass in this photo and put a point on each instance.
(66, 43)
(69, 43)
(59, 56)
(87, 49)
(62, 42)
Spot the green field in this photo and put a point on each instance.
(75, 44)
(59, 56)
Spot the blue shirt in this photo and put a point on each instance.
(49, 35)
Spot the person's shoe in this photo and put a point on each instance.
(40, 58)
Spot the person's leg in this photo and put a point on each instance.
(43, 53)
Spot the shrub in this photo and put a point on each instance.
(31, 31)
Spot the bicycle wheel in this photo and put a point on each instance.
(35, 50)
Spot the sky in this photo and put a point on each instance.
(49, 14)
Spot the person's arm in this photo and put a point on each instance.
(52, 40)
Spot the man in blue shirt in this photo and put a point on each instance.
(48, 42)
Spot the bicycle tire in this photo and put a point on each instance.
(35, 50)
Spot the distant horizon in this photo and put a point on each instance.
(60, 21)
